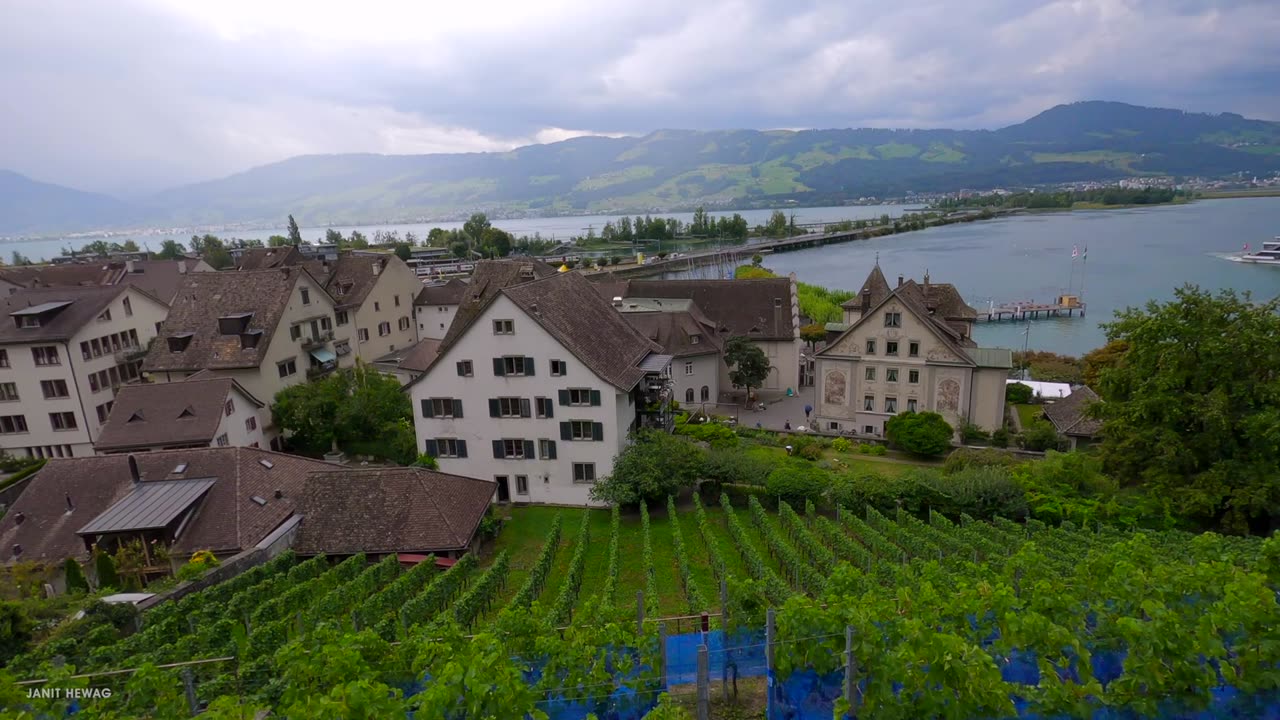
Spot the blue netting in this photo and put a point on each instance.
(736, 654)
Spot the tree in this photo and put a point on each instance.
(925, 433)
(757, 260)
(171, 250)
(105, 567)
(278, 241)
(475, 227)
(15, 630)
(652, 466)
(777, 225)
(813, 334)
(76, 581)
(129, 246)
(357, 407)
(1040, 436)
(1100, 359)
(357, 240)
(1018, 393)
(797, 481)
(1193, 411)
(331, 237)
(403, 251)
(748, 366)
(295, 235)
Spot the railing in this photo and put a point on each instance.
(309, 342)
(129, 354)
(320, 370)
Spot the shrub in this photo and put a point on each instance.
(982, 492)
(1040, 436)
(201, 562)
(105, 567)
(1018, 394)
(964, 458)
(811, 452)
(651, 467)
(714, 434)
(925, 433)
(426, 461)
(797, 482)
(118, 615)
(15, 631)
(1000, 438)
(843, 445)
(877, 450)
(972, 434)
(76, 580)
(735, 466)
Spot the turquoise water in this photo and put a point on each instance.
(1134, 256)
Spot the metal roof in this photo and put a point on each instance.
(654, 305)
(41, 308)
(991, 357)
(654, 362)
(151, 505)
(324, 355)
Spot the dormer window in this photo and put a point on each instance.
(27, 321)
(249, 340)
(178, 342)
(695, 339)
(105, 316)
(893, 319)
(234, 323)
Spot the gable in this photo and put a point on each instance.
(912, 327)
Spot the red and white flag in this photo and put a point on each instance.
(1075, 251)
(1246, 247)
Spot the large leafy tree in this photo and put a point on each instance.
(651, 467)
(1193, 411)
(1102, 359)
(295, 235)
(355, 407)
(748, 366)
(925, 433)
(813, 334)
(169, 250)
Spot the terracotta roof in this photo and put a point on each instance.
(226, 520)
(567, 306)
(269, 257)
(84, 305)
(155, 415)
(674, 331)
(449, 293)
(388, 510)
(1068, 414)
(742, 307)
(203, 299)
(489, 278)
(350, 277)
(415, 358)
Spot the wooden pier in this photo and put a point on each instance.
(1067, 306)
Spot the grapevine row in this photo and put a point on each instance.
(691, 593)
(532, 586)
(814, 550)
(914, 544)
(650, 576)
(846, 547)
(709, 539)
(876, 542)
(562, 610)
(481, 595)
(372, 610)
(342, 599)
(774, 587)
(303, 594)
(805, 576)
(611, 572)
(433, 599)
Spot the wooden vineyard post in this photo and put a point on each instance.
(704, 684)
(770, 637)
(662, 651)
(639, 612)
(724, 632)
(850, 672)
(189, 686)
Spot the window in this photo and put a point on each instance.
(105, 316)
(287, 368)
(295, 332)
(446, 447)
(911, 404)
(871, 346)
(891, 347)
(833, 426)
(341, 318)
(869, 403)
(584, 472)
(688, 368)
(504, 327)
(62, 420)
(404, 323)
(868, 430)
(377, 306)
(522, 484)
(10, 424)
(706, 393)
(230, 407)
(326, 324)
(250, 424)
(913, 377)
(580, 396)
(362, 335)
(397, 299)
(464, 368)
(513, 365)
(342, 347)
(512, 449)
(893, 319)
(891, 405)
(913, 349)
(547, 449)
(128, 307)
(222, 440)
(4, 358)
(509, 407)
(544, 407)
(86, 351)
(384, 328)
(441, 408)
(580, 429)
(559, 368)
(53, 389)
(95, 346)
(688, 395)
(306, 296)
(870, 374)
(46, 355)
(891, 375)
(28, 321)
(104, 410)
(695, 339)
(9, 392)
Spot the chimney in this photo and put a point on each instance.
(926, 282)
(617, 301)
(866, 301)
(70, 505)
(377, 268)
(129, 266)
(899, 281)
(182, 267)
(133, 470)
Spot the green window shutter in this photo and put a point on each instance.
(432, 448)
(565, 432)
(426, 408)
(524, 408)
(493, 407)
(529, 366)
(551, 449)
(497, 367)
(457, 408)
(597, 431)
(564, 397)
(497, 449)
(595, 397)
(530, 452)
(549, 407)
(462, 448)
(460, 372)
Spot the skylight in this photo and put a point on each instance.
(180, 468)
(266, 464)
(259, 500)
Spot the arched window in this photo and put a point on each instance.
(706, 393)
(688, 395)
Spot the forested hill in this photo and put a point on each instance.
(680, 169)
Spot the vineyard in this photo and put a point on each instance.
(933, 616)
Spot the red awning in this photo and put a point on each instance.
(414, 559)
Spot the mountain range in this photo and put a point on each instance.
(678, 169)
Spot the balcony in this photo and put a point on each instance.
(309, 342)
(129, 354)
(320, 370)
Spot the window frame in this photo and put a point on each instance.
(4, 394)
(870, 347)
(891, 348)
(288, 367)
(561, 365)
(66, 392)
(504, 327)
(868, 403)
(522, 484)
(575, 425)
(518, 444)
(869, 373)
(912, 405)
(586, 469)
(913, 348)
(61, 417)
(509, 366)
(891, 405)
(891, 374)
(913, 377)
(466, 368)
(583, 392)
(892, 319)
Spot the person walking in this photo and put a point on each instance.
(807, 409)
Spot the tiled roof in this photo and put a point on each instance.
(568, 307)
(448, 293)
(269, 257)
(489, 278)
(226, 520)
(351, 277)
(205, 297)
(912, 298)
(675, 331)
(757, 308)
(415, 358)
(86, 304)
(158, 278)
(943, 298)
(388, 510)
(1069, 415)
(155, 415)
(874, 284)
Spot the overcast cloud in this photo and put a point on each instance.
(134, 95)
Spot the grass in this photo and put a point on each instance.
(1028, 414)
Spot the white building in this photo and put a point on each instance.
(373, 293)
(436, 306)
(536, 386)
(63, 353)
(689, 337)
(202, 411)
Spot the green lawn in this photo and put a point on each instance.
(1028, 414)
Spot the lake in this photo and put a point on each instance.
(1135, 255)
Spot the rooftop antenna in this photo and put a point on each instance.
(877, 258)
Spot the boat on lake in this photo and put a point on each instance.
(1268, 255)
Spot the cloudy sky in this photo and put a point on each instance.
(129, 96)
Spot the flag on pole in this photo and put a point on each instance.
(1075, 251)
(1246, 247)
(1084, 255)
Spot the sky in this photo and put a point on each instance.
(131, 96)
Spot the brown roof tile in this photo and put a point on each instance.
(387, 510)
(158, 278)
(226, 520)
(86, 303)
(1069, 415)
(156, 415)
(748, 308)
(674, 331)
(489, 278)
(351, 277)
(266, 258)
(448, 293)
(416, 357)
(875, 284)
